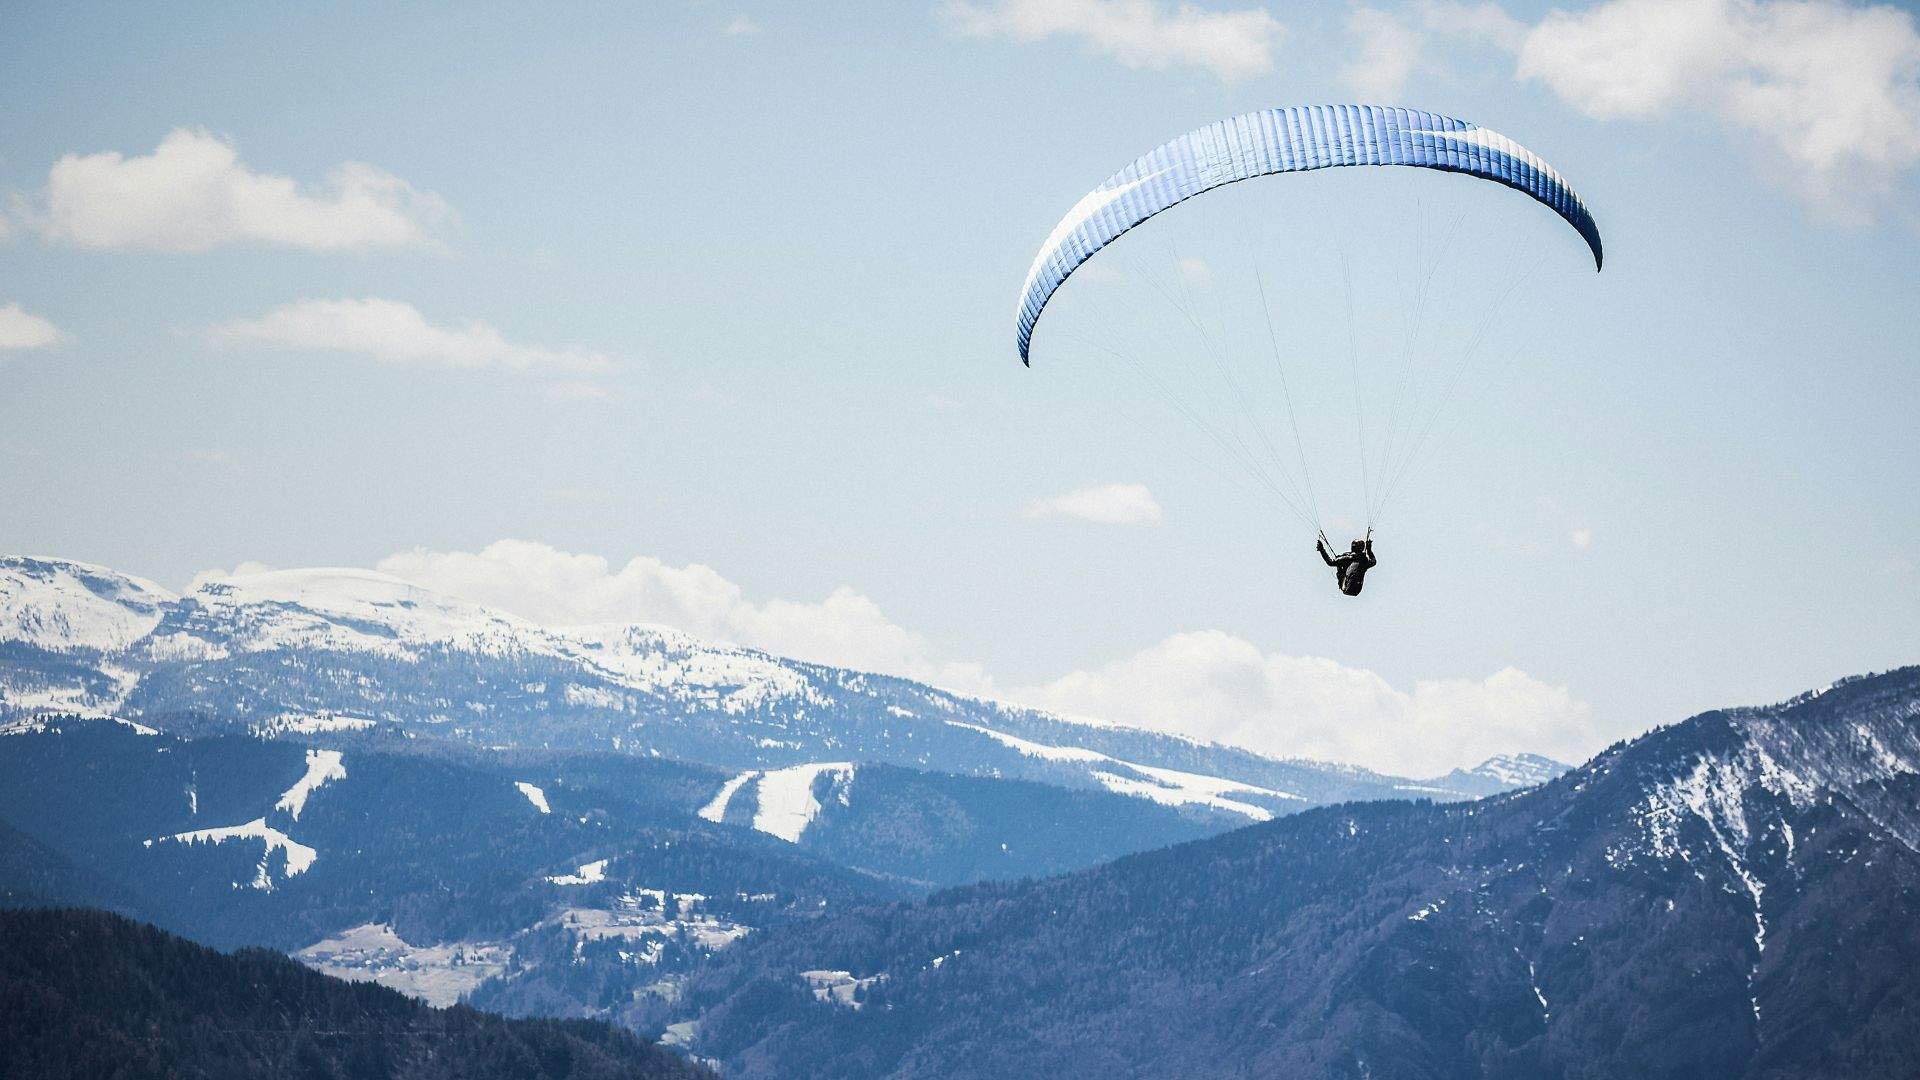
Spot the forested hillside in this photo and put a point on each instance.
(1732, 896)
(86, 995)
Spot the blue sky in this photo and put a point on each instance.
(707, 310)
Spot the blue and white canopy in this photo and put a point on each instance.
(1295, 139)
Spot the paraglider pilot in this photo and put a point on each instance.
(1349, 567)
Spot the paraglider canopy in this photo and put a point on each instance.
(1286, 140)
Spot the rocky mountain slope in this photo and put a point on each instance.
(1733, 896)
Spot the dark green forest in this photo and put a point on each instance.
(86, 995)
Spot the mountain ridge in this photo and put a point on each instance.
(1730, 895)
(282, 647)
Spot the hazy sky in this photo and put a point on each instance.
(708, 310)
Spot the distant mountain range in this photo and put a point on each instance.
(85, 995)
(1737, 895)
(405, 788)
(325, 652)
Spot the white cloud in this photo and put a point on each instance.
(396, 332)
(1582, 539)
(22, 330)
(192, 193)
(1387, 51)
(1105, 504)
(1138, 33)
(558, 588)
(740, 25)
(1829, 92)
(1208, 684)
(1213, 685)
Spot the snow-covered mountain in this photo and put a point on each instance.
(299, 652)
(1731, 896)
(1503, 772)
(56, 604)
(339, 610)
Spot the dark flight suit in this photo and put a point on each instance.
(1350, 567)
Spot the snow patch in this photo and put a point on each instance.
(787, 805)
(299, 857)
(322, 766)
(1034, 749)
(716, 810)
(1179, 795)
(439, 975)
(838, 987)
(534, 795)
(589, 874)
(645, 917)
(1171, 787)
(312, 724)
(681, 1034)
